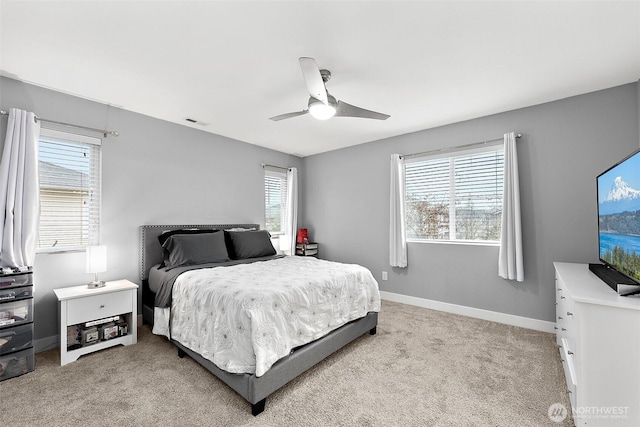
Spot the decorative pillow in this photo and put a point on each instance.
(195, 248)
(250, 244)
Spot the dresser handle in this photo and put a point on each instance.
(569, 313)
(563, 329)
(101, 305)
(555, 327)
(559, 317)
(569, 352)
(561, 297)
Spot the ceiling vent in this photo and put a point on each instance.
(196, 122)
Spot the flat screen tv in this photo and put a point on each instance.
(619, 225)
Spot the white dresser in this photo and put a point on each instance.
(598, 334)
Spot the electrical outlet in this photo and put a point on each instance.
(384, 275)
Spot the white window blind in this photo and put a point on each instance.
(70, 174)
(455, 197)
(275, 200)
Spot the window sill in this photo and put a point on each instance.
(454, 242)
(59, 251)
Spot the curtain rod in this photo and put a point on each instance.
(272, 166)
(104, 132)
(459, 147)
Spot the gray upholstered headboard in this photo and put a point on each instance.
(150, 250)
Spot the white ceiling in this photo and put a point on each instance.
(233, 64)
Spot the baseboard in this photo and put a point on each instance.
(48, 343)
(494, 316)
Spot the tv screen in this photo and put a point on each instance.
(619, 216)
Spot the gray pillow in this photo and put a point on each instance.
(251, 244)
(190, 249)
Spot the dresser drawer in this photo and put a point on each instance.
(16, 312)
(16, 280)
(94, 307)
(13, 294)
(15, 364)
(16, 338)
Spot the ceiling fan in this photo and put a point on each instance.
(321, 104)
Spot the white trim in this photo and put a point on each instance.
(48, 343)
(478, 313)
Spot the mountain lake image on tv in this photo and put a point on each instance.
(619, 216)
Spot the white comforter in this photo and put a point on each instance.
(245, 317)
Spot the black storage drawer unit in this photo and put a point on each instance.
(16, 324)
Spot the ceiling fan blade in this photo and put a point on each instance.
(288, 115)
(348, 110)
(313, 79)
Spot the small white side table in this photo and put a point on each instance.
(79, 304)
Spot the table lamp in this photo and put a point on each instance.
(96, 263)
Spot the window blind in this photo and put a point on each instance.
(455, 197)
(275, 200)
(69, 171)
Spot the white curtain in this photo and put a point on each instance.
(397, 238)
(291, 214)
(510, 259)
(19, 191)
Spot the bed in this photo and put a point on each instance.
(254, 319)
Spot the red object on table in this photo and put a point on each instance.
(303, 235)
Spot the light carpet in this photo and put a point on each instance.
(423, 368)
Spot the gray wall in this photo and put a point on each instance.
(155, 172)
(159, 172)
(565, 144)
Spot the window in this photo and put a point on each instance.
(275, 200)
(69, 171)
(455, 197)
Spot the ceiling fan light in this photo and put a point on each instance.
(321, 111)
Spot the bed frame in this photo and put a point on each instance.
(254, 389)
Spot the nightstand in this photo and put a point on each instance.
(95, 319)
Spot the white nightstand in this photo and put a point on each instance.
(79, 305)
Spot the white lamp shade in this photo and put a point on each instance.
(96, 259)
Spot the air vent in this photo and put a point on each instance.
(195, 122)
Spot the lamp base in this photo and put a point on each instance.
(96, 284)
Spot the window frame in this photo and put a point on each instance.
(452, 154)
(94, 210)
